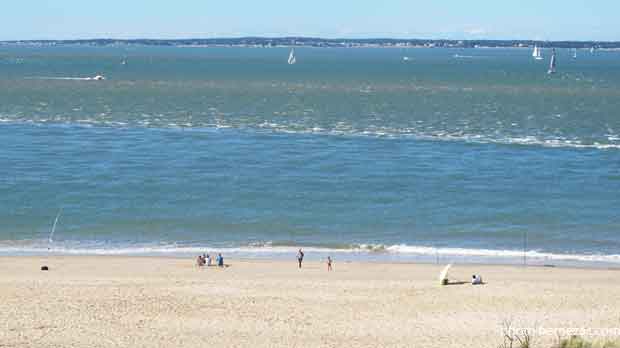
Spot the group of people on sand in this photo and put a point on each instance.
(300, 259)
(207, 260)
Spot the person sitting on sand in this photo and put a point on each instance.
(476, 279)
(220, 260)
(200, 261)
(300, 257)
(329, 263)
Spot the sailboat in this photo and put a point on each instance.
(575, 54)
(537, 54)
(291, 57)
(552, 63)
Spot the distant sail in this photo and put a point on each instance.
(575, 54)
(291, 57)
(537, 53)
(552, 63)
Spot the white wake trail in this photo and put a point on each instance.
(60, 78)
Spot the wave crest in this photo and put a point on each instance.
(394, 252)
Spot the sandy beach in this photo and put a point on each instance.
(86, 301)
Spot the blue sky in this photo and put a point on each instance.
(452, 19)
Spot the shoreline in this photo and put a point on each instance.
(313, 260)
(316, 42)
(277, 254)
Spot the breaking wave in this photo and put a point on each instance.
(397, 252)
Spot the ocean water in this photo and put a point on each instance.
(460, 155)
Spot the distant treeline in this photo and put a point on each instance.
(319, 42)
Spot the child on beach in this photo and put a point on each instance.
(300, 257)
(209, 261)
(329, 263)
(220, 260)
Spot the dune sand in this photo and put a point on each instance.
(86, 301)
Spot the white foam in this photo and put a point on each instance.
(342, 129)
(503, 253)
(266, 249)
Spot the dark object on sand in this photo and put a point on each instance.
(45, 268)
(300, 257)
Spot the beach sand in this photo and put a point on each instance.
(86, 301)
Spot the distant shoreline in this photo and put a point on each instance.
(321, 42)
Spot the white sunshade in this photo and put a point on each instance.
(444, 272)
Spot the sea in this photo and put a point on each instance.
(448, 155)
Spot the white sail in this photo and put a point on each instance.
(291, 57)
(575, 54)
(552, 63)
(537, 54)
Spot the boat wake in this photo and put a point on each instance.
(67, 78)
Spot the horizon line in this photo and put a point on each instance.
(301, 38)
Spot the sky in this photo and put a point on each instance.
(439, 19)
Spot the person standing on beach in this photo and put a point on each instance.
(329, 263)
(300, 257)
